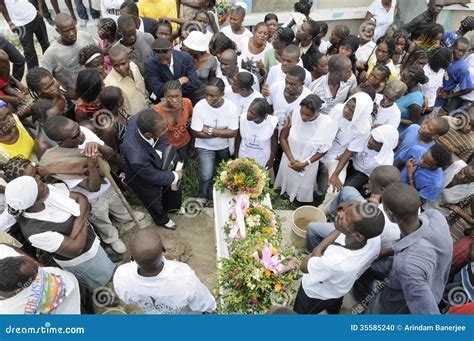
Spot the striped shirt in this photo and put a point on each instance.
(458, 142)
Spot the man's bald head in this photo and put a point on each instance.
(146, 248)
(383, 176)
(229, 55)
(118, 51)
(338, 62)
(62, 19)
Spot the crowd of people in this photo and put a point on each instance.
(374, 127)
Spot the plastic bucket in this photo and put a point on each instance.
(309, 213)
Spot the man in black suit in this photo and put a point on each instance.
(144, 24)
(169, 64)
(142, 149)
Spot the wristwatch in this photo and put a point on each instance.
(209, 131)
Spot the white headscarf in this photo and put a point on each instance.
(388, 135)
(362, 113)
(21, 193)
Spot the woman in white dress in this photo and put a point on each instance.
(304, 140)
(258, 134)
(353, 119)
(253, 51)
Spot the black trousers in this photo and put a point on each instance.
(38, 28)
(158, 201)
(355, 178)
(307, 305)
(16, 58)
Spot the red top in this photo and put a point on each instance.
(178, 135)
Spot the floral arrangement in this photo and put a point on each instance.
(260, 272)
(258, 275)
(222, 10)
(253, 220)
(242, 176)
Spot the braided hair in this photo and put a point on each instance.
(384, 69)
(440, 58)
(39, 109)
(416, 74)
(261, 107)
(172, 85)
(33, 78)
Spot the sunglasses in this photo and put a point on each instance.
(162, 50)
(77, 134)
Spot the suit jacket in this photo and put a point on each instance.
(142, 162)
(306, 58)
(156, 75)
(149, 25)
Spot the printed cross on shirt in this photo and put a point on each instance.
(254, 137)
(242, 109)
(215, 122)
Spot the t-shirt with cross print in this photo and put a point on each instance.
(224, 117)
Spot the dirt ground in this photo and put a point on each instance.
(194, 241)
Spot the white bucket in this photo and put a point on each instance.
(310, 213)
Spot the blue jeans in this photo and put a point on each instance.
(82, 12)
(347, 193)
(207, 161)
(95, 272)
(317, 231)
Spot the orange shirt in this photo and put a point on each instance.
(178, 135)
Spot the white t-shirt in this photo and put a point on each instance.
(21, 12)
(276, 74)
(110, 9)
(256, 138)
(255, 85)
(390, 115)
(345, 139)
(72, 184)
(224, 117)
(334, 274)
(435, 82)
(323, 47)
(175, 290)
(71, 303)
(391, 232)
(242, 103)
(470, 64)
(383, 18)
(246, 55)
(281, 108)
(364, 161)
(363, 52)
(237, 38)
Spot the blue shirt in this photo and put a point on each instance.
(457, 74)
(420, 269)
(408, 139)
(428, 182)
(405, 102)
